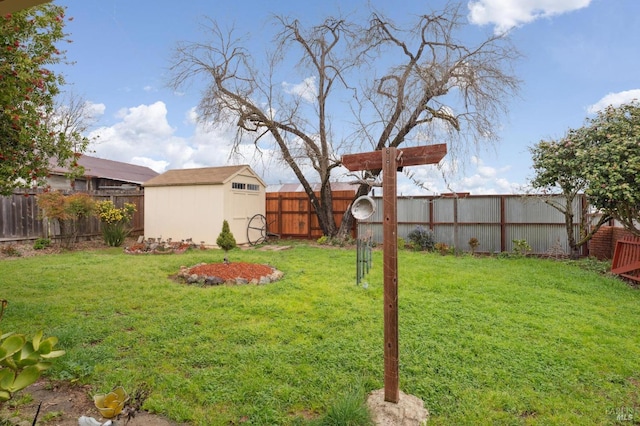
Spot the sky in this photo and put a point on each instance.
(578, 56)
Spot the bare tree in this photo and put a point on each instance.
(70, 120)
(73, 117)
(389, 85)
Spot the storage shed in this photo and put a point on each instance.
(193, 203)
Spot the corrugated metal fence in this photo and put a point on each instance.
(21, 219)
(494, 220)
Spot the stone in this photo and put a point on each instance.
(276, 275)
(264, 280)
(409, 411)
(213, 281)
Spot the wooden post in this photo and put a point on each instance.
(390, 256)
(388, 160)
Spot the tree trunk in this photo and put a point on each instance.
(326, 218)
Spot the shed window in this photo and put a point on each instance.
(245, 186)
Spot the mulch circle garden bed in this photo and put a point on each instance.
(208, 274)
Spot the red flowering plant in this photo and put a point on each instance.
(30, 134)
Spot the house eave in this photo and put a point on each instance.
(12, 6)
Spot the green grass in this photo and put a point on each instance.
(482, 340)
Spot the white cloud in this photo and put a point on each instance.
(507, 14)
(142, 135)
(307, 89)
(94, 109)
(447, 177)
(615, 99)
(157, 165)
(191, 116)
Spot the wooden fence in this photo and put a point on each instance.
(21, 219)
(291, 215)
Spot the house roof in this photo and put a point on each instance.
(201, 176)
(109, 169)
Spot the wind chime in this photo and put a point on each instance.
(362, 209)
(390, 160)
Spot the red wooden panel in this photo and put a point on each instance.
(626, 259)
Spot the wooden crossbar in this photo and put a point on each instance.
(626, 259)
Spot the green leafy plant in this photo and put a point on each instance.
(226, 240)
(41, 243)
(323, 240)
(115, 222)
(521, 248)
(422, 238)
(22, 361)
(336, 241)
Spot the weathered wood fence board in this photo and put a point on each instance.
(21, 218)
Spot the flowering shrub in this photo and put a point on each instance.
(68, 211)
(115, 221)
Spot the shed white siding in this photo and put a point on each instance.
(185, 205)
(181, 212)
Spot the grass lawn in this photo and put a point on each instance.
(482, 340)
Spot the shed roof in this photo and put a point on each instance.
(201, 176)
(110, 169)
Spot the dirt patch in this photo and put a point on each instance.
(63, 403)
(409, 411)
(209, 274)
(10, 250)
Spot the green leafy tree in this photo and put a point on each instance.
(226, 240)
(30, 133)
(559, 170)
(611, 161)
